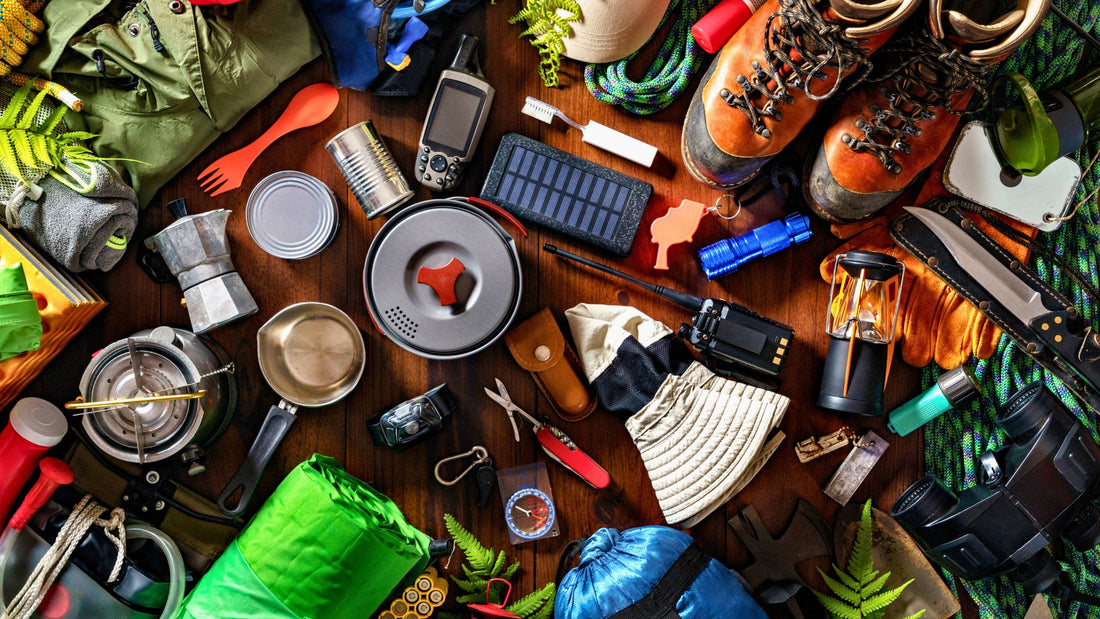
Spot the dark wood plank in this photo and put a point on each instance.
(786, 287)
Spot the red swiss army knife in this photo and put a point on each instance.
(554, 442)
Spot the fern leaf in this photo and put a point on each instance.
(532, 602)
(875, 586)
(498, 565)
(41, 152)
(471, 598)
(848, 581)
(546, 613)
(837, 608)
(868, 577)
(77, 135)
(8, 159)
(11, 113)
(479, 557)
(26, 121)
(918, 614)
(511, 571)
(859, 564)
(884, 599)
(465, 585)
(49, 126)
(22, 144)
(850, 596)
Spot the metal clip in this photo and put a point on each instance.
(481, 456)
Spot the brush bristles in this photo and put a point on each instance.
(539, 110)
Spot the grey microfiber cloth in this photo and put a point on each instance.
(81, 230)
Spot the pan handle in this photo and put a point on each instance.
(275, 428)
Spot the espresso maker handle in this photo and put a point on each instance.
(274, 429)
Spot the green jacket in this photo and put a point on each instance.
(163, 108)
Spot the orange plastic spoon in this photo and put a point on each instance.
(310, 106)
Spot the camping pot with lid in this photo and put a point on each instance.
(171, 361)
(442, 279)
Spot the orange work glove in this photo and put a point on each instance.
(934, 321)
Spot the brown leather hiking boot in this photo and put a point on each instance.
(770, 78)
(896, 124)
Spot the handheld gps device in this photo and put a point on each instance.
(456, 118)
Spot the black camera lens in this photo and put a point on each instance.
(1024, 413)
(923, 502)
(1084, 530)
(1038, 573)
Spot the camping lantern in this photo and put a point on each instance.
(864, 299)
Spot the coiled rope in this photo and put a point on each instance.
(86, 514)
(666, 78)
(954, 442)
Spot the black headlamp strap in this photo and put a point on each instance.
(661, 601)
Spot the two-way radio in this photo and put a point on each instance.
(732, 339)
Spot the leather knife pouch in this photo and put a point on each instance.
(539, 346)
(124, 484)
(916, 238)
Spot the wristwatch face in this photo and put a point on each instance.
(529, 513)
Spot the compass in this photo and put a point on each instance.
(530, 513)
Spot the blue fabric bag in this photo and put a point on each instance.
(357, 34)
(649, 573)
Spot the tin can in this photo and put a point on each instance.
(292, 215)
(369, 169)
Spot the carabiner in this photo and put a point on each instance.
(481, 456)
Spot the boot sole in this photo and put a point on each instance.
(694, 171)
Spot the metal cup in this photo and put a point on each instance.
(369, 169)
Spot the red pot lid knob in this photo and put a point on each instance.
(442, 280)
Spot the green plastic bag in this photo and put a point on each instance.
(324, 546)
(20, 324)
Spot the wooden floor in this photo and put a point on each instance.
(785, 287)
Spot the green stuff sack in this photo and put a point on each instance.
(324, 546)
(20, 324)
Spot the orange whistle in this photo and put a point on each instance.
(678, 225)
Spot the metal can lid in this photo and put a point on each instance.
(415, 310)
(292, 215)
(39, 422)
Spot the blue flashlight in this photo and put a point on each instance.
(727, 256)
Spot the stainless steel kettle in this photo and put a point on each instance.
(169, 361)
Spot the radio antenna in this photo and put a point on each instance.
(691, 302)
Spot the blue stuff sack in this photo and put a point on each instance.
(649, 573)
(356, 35)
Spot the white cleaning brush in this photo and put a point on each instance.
(596, 134)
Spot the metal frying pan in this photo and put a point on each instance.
(312, 355)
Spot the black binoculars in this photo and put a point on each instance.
(1036, 488)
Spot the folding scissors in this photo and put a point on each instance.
(554, 442)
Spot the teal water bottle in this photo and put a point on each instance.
(953, 389)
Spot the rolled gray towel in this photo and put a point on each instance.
(82, 231)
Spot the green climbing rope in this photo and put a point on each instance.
(955, 442)
(669, 74)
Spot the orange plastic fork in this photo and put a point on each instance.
(310, 105)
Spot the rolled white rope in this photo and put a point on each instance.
(83, 517)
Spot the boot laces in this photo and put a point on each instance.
(911, 97)
(798, 44)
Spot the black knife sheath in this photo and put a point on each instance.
(912, 235)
